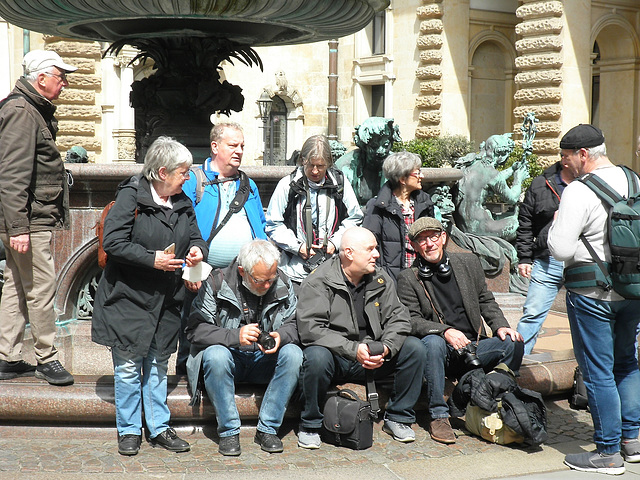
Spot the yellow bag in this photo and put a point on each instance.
(490, 426)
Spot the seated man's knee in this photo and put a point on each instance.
(435, 345)
(414, 347)
(316, 360)
(217, 358)
(290, 356)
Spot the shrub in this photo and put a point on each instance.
(437, 152)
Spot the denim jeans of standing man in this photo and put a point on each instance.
(442, 361)
(140, 381)
(224, 367)
(544, 285)
(604, 343)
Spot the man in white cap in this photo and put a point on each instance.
(34, 201)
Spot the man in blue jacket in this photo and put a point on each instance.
(212, 188)
(233, 308)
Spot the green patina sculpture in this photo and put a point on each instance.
(363, 165)
(481, 180)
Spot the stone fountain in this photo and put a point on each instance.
(188, 40)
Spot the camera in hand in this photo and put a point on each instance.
(468, 354)
(266, 341)
(315, 260)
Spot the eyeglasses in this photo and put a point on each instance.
(421, 240)
(186, 175)
(311, 166)
(262, 282)
(638, 153)
(417, 174)
(61, 76)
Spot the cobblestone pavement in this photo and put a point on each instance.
(61, 452)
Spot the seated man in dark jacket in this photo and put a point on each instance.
(448, 298)
(234, 310)
(346, 304)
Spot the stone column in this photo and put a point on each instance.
(540, 85)
(124, 133)
(455, 68)
(78, 113)
(429, 71)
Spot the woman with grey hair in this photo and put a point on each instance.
(309, 211)
(399, 203)
(149, 234)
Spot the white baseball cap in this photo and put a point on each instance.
(37, 60)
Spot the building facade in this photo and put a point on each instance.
(438, 67)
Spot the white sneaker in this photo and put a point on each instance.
(400, 432)
(309, 440)
(630, 450)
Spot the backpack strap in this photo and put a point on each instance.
(609, 197)
(236, 205)
(201, 179)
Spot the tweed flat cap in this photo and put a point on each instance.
(424, 224)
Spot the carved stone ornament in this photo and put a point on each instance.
(249, 22)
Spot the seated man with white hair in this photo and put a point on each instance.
(242, 328)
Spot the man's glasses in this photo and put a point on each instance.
(421, 240)
(61, 76)
(262, 282)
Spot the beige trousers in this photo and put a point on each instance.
(27, 297)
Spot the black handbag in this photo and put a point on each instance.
(348, 421)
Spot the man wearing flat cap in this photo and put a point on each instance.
(448, 299)
(34, 201)
(603, 323)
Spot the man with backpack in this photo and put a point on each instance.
(228, 209)
(603, 314)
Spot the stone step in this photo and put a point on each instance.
(90, 400)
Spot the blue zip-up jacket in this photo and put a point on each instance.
(208, 206)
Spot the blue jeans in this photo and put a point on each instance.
(544, 285)
(443, 362)
(223, 367)
(139, 380)
(604, 343)
(321, 367)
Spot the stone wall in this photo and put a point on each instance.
(79, 114)
(539, 76)
(429, 72)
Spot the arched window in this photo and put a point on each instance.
(275, 152)
(491, 91)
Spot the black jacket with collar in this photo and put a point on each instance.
(136, 303)
(536, 215)
(384, 218)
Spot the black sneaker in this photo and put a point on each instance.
(268, 442)
(129, 444)
(54, 373)
(170, 440)
(19, 368)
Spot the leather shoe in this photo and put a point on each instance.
(129, 444)
(229, 446)
(170, 440)
(268, 442)
(441, 431)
